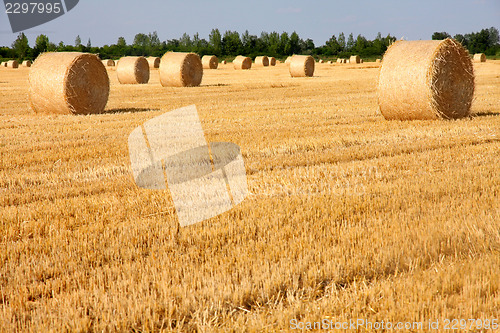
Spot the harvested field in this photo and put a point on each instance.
(349, 215)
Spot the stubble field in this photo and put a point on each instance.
(349, 215)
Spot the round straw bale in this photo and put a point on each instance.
(329, 62)
(354, 59)
(426, 80)
(3, 64)
(210, 62)
(12, 64)
(272, 61)
(302, 66)
(242, 62)
(68, 83)
(133, 70)
(262, 61)
(377, 61)
(360, 61)
(154, 62)
(181, 70)
(108, 63)
(223, 62)
(287, 61)
(27, 63)
(479, 57)
(320, 61)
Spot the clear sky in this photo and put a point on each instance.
(104, 21)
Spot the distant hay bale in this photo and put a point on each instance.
(302, 66)
(210, 62)
(223, 62)
(377, 61)
(262, 61)
(329, 62)
(287, 61)
(479, 57)
(154, 62)
(68, 83)
(272, 61)
(3, 64)
(27, 63)
(12, 64)
(242, 62)
(426, 80)
(339, 61)
(320, 61)
(179, 69)
(354, 59)
(361, 61)
(108, 63)
(133, 70)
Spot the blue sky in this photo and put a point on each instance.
(104, 21)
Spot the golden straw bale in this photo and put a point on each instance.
(133, 70)
(12, 64)
(210, 62)
(262, 61)
(302, 66)
(68, 83)
(154, 62)
(377, 61)
(272, 61)
(354, 59)
(288, 59)
(320, 61)
(426, 80)
(223, 62)
(242, 62)
(108, 63)
(27, 63)
(339, 60)
(479, 57)
(179, 69)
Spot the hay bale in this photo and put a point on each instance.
(242, 62)
(288, 60)
(12, 64)
(133, 70)
(377, 61)
(27, 63)
(108, 63)
(329, 62)
(320, 61)
(339, 61)
(426, 80)
(354, 59)
(361, 61)
(68, 83)
(479, 57)
(262, 61)
(210, 62)
(154, 62)
(179, 69)
(302, 66)
(223, 62)
(272, 61)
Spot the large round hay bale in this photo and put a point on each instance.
(302, 66)
(479, 57)
(181, 70)
(108, 62)
(154, 62)
(426, 80)
(262, 61)
(210, 62)
(242, 62)
(68, 83)
(272, 61)
(27, 63)
(355, 59)
(133, 70)
(12, 64)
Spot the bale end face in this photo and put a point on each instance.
(179, 69)
(426, 80)
(133, 70)
(241, 62)
(262, 61)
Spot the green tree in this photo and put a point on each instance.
(231, 43)
(294, 43)
(121, 43)
(215, 42)
(342, 42)
(141, 44)
(21, 46)
(284, 46)
(333, 46)
(350, 42)
(78, 41)
(41, 45)
(440, 35)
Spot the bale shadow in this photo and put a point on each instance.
(215, 85)
(484, 114)
(128, 110)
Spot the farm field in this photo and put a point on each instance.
(349, 216)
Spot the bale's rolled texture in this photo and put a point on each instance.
(287, 61)
(68, 83)
(355, 59)
(302, 66)
(108, 63)
(426, 80)
(272, 61)
(262, 61)
(242, 62)
(181, 70)
(27, 63)
(154, 62)
(210, 62)
(479, 57)
(133, 70)
(12, 64)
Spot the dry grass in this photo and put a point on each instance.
(350, 216)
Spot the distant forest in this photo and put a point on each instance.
(232, 43)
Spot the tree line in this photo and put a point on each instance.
(232, 43)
